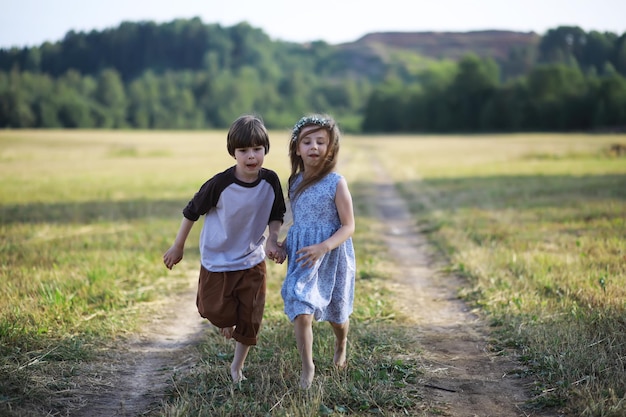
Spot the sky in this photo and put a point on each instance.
(32, 22)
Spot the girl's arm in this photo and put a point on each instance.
(175, 254)
(343, 200)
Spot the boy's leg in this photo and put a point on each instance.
(214, 299)
(249, 293)
(303, 326)
(236, 368)
(341, 342)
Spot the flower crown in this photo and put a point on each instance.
(308, 120)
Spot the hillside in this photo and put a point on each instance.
(135, 47)
(451, 45)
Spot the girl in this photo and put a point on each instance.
(321, 263)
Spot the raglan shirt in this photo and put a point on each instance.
(236, 216)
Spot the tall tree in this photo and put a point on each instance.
(563, 45)
(475, 83)
(596, 52)
(555, 92)
(619, 55)
(609, 101)
(111, 97)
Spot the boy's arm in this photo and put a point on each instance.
(175, 253)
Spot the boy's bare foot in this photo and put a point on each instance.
(340, 353)
(237, 375)
(306, 378)
(227, 332)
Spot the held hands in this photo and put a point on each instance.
(173, 256)
(275, 251)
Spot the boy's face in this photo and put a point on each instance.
(249, 162)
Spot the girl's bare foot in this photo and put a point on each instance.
(237, 375)
(306, 378)
(340, 353)
(227, 332)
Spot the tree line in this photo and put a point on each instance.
(189, 75)
(471, 98)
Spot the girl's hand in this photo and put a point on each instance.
(282, 252)
(309, 255)
(280, 256)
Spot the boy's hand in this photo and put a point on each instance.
(275, 251)
(173, 256)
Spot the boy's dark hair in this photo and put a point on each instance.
(246, 132)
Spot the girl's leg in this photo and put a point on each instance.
(303, 326)
(341, 342)
(236, 368)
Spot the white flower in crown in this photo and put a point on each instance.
(308, 120)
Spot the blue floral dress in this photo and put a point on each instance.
(325, 290)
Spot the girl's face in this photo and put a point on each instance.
(313, 146)
(249, 162)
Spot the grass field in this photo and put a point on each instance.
(535, 223)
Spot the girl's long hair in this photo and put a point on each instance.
(330, 159)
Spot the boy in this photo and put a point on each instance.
(238, 205)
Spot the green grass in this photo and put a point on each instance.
(535, 223)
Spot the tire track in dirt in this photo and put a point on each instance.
(464, 378)
(133, 379)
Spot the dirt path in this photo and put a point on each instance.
(464, 378)
(132, 382)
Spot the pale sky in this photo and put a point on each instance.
(32, 22)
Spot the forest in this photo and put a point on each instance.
(186, 74)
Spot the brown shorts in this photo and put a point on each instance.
(234, 298)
